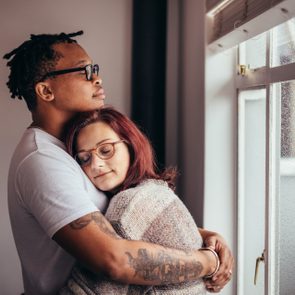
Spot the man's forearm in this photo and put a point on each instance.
(92, 240)
(150, 264)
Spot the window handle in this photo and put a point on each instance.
(242, 70)
(258, 260)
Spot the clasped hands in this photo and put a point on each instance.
(224, 274)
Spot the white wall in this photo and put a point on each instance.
(107, 38)
(221, 149)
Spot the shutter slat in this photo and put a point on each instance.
(237, 13)
(210, 4)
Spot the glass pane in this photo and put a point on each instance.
(285, 238)
(283, 44)
(254, 52)
(251, 201)
(287, 93)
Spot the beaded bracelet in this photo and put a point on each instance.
(217, 262)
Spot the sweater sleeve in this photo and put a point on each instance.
(152, 212)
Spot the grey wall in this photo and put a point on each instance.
(185, 99)
(192, 106)
(107, 38)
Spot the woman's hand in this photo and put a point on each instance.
(224, 274)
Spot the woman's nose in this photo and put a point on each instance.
(96, 162)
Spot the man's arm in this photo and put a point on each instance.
(93, 242)
(224, 274)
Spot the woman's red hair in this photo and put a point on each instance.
(142, 160)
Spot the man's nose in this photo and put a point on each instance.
(97, 79)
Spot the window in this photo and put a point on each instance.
(266, 164)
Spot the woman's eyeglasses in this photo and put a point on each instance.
(104, 151)
(88, 69)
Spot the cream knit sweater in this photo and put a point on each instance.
(149, 212)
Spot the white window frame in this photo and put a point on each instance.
(241, 190)
(223, 49)
(265, 77)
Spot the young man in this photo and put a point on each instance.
(56, 213)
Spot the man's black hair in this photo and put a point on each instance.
(31, 61)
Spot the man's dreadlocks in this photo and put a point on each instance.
(31, 61)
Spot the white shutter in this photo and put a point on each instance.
(236, 13)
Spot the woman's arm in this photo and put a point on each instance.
(93, 242)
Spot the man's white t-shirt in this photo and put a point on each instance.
(46, 191)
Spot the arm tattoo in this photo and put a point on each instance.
(81, 222)
(163, 267)
(100, 221)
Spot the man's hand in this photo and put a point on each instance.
(223, 276)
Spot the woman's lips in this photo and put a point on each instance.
(102, 174)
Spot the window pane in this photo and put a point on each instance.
(283, 43)
(254, 51)
(285, 238)
(287, 93)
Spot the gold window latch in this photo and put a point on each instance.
(242, 70)
(258, 260)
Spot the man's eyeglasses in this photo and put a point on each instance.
(88, 69)
(104, 151)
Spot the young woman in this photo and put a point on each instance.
(119, 160)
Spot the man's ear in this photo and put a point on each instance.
(44, 92)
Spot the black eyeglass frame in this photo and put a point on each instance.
(89, 70)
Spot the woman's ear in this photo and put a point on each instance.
(44, 92)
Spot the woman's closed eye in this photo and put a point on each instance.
(105, 149)
(83, 158)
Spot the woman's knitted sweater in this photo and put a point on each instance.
(149, 212)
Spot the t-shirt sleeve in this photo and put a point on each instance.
(52, 190)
